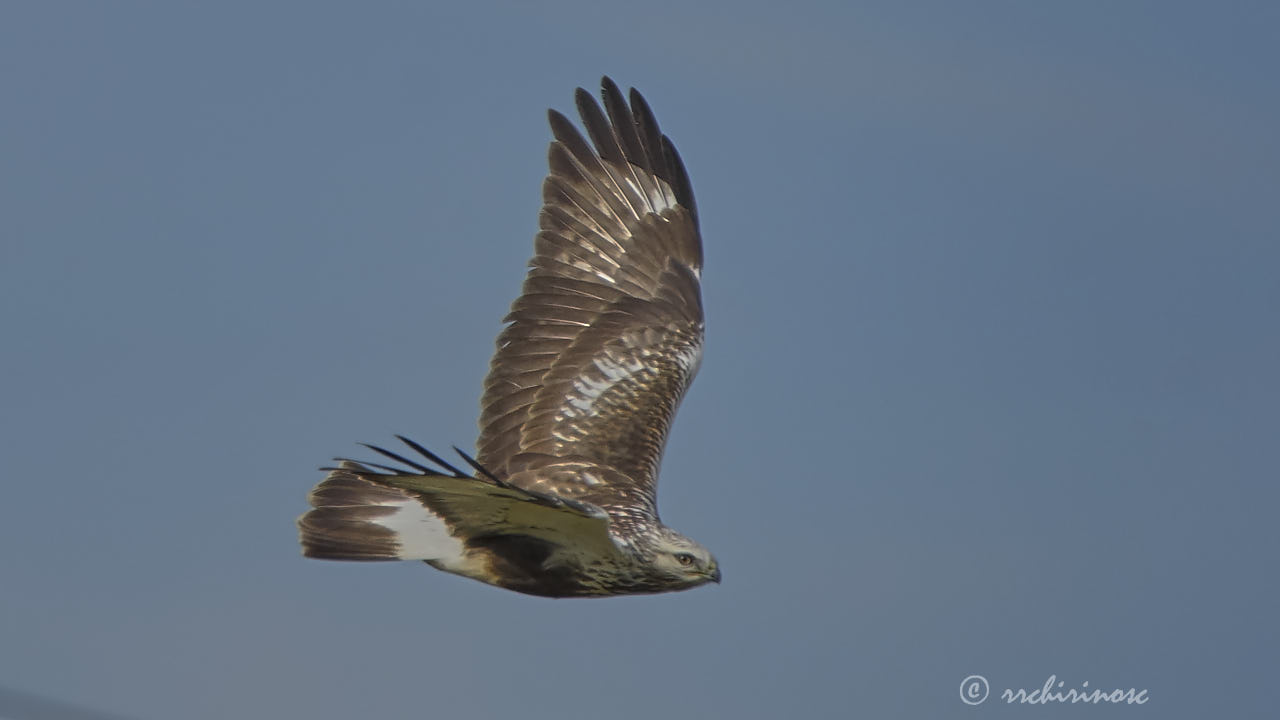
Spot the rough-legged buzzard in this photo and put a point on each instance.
(561, 498)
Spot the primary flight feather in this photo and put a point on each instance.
(600, 347)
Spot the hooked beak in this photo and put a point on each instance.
(715, 574)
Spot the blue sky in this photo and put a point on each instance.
(990, 383)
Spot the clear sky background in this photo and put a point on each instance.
(990, 384)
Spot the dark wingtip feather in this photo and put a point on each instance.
(401, 459)
(431, 456)
(666, 161)
(563, 130)
(480, 468)
(419, 467)
(598, 127)
(624, 125)
(559, 123)
(683, 186)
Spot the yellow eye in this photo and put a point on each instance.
(684, 559)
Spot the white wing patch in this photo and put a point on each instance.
(618, 371)
(421, 534)
(588, 387)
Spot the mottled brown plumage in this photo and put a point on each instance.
(599, 350)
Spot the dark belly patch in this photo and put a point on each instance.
(519, 563)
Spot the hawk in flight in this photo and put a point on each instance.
(599, 349)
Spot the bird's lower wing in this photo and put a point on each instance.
(362, 514)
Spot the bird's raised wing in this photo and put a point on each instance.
(607, 333)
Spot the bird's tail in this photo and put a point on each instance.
(355, 518)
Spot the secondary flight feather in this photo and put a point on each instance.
(598, 351)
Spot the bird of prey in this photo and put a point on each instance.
(597, 353)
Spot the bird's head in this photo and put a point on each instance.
(683, 562)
